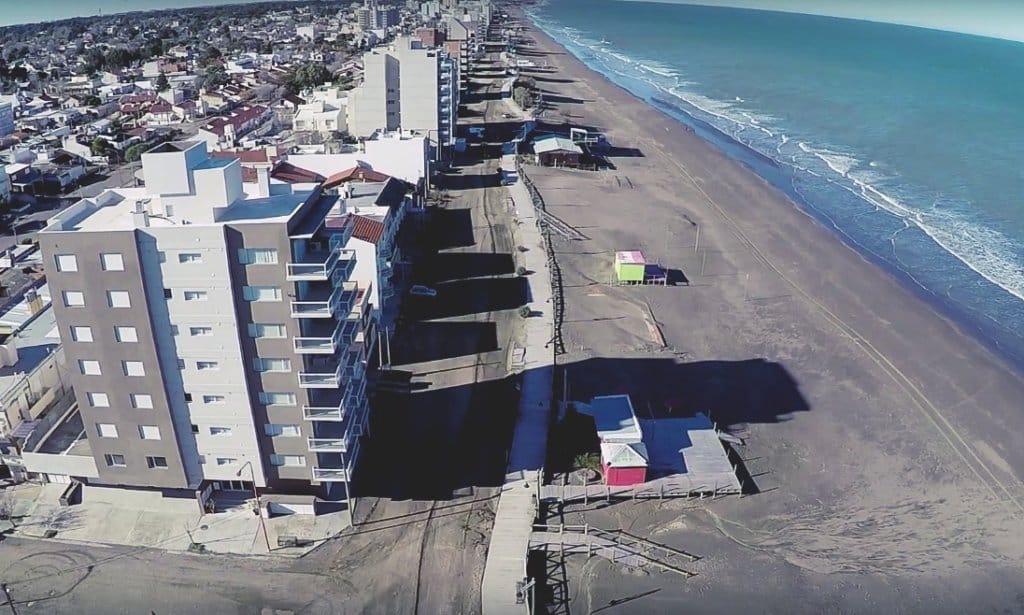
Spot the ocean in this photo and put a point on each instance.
(908, 142)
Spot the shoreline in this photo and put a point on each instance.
(981, 327)
(878, 431)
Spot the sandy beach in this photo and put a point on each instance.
(886, 444)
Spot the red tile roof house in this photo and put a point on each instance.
(623, 452)
(225, 131)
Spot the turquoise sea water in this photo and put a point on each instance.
(908, 142)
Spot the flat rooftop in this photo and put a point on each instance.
(613, 417)
(112, 211)
(36, 341)
(67, 438)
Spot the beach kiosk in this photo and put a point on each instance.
(623, 452)
(630, 267)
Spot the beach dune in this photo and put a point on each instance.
(886, 444)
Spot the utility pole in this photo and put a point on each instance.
(7, 596)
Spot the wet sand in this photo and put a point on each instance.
(886, 445)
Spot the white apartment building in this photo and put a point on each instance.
(216, 339)
(407, 88)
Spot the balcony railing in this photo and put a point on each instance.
(322, 413)
(330, 475)
(344, 334)
(338, 304)
(349, 369)
(327, 445)
(322, 269)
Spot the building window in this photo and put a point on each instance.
(89, 367)
(277, 399)
(195, 295)
(159, 463)
(66, 262)
(106, 430)
(268, 331)
(257, 256)
(272, 365)
(142, 401)
(200, 331)
(188, 397)
(126, 334)
(114, 460)
(220, 431)
(195, 428)
(149, 432)
(81, 334)
(213, 399)
(118, 299)
(190, 257)
(73, 298)
(280, 430)
(133, 368)
(288, 460)
(168, 293)
(98, 400)
(207, 366)
(261, 293)
(226, 461)
(112, 261)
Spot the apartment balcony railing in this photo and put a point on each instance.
(330, 475)
(347, 370)
(327, 445)
(339, 304)
(323, 413)
(344, 334)
(322, 266)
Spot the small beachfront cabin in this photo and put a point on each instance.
(555, 151)
(630, 267)
(623, 452)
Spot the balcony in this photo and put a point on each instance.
(348, 370)
(330, 475)
(344, 334)
(327, 445)
(338, 302)
(321, 266)
(323, 413)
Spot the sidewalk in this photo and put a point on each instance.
(144, 519)
(517, 505)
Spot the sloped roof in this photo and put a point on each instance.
(291, 174)
(555, 144)
(356, 173)
(367, 229)
(628, 455)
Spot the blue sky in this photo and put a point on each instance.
(996, 18)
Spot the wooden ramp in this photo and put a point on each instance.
(616, 546)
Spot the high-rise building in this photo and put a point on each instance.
(364, 17)
(215, 338)
(6, 118)
(407, 87)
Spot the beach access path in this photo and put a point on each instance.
(887, 445)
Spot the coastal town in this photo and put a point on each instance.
(338, 307)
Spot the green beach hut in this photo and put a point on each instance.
(629, 267)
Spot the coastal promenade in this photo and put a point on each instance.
(517, 504)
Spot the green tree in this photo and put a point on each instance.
(162, 84)
(134, 152)
(308, 76)
(92, 101)
(98, 147)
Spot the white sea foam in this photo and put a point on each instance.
(984, 250)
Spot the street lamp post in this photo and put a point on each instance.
(259, 508)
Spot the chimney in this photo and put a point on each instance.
(263, 181)
(346, 190)
(140, 217)
(34, 301)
